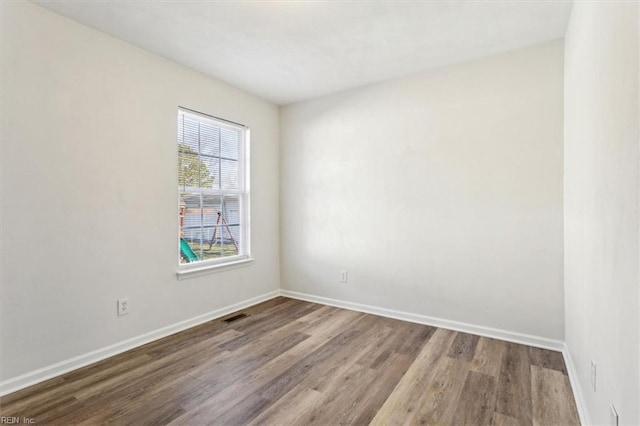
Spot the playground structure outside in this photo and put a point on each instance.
(202, 248)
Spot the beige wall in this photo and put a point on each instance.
(89, 197)
(601, 205)
(439, 193)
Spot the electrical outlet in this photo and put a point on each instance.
(614, 416)
(123, 306)
(343, 276)
(593, 375)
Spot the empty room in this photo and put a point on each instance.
(320, 212)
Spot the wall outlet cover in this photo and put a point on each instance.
(123, 306)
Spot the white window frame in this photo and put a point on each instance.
(244, 242)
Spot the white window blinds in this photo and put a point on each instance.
(213, 195)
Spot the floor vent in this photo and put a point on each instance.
(235, 318)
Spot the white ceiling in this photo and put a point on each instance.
(287, 51)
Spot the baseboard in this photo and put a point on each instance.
(578, 395)
(510, 336)
(51, 371)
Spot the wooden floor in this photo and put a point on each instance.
(299, 363)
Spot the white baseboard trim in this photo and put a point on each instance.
(51, 371)
(578, 395)
(510, 336)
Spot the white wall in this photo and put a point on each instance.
(601, 205)
(439, 193)
(89, 197)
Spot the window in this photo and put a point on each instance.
(213, 191)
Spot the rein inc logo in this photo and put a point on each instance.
(17, 420)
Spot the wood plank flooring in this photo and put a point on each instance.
(291, 362)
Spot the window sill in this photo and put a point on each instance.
(183, 274)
